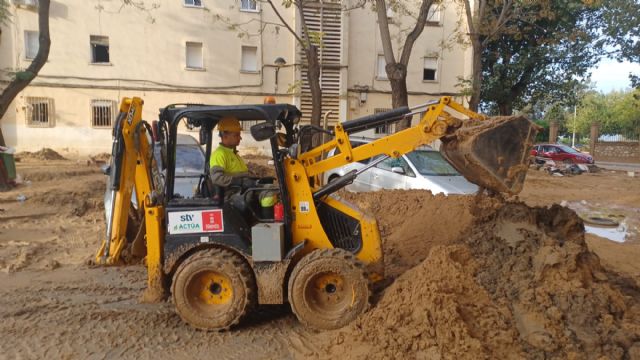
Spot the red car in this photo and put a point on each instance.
(561, 153)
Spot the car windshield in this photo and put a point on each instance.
(568, 149)
(431, 163)
(189, 159)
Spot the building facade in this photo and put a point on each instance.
(204, 51)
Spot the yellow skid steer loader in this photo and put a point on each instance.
(219, 259)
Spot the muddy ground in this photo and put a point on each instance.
(469, 278)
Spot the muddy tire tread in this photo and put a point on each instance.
(223, 255)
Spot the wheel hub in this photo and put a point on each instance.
(211, 288)
(327, 293)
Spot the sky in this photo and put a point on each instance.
(611, 75)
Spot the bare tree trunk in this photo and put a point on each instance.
(313, 77)
(505, 107)
(23, 78)
(397, 71)
(476, 80)
(397, 74)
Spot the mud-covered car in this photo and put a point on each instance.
(423, 168)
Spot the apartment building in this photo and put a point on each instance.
(204, 51)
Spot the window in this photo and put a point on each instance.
(194, 55)
(102, 113)
(381, 72)
(39, 112)
(384, 128)
(429, 162)
(248, 5)
(249, 59)
(99, 49)
(430, 69)
(194, 3)
(433, 17)
(31, 44)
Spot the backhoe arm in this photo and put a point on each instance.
(131, 164)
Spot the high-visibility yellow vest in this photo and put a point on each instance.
(228, 159)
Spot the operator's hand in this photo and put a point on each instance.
(248, 182)
(243, 182)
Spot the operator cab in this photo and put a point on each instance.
(207, 216)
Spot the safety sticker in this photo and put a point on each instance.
(189, 222)
(303, 206)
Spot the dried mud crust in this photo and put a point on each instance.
(520, 283)
(208, 316)
(333, 303)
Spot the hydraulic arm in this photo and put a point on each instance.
(131, 169)
(487, 151)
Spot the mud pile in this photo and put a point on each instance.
(42, 154)
(413, 222)
(518, 283)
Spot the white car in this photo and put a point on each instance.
(423, 168)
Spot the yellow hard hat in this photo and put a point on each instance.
(269, 100)
(229, 123)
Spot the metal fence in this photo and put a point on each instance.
(103, 111)
(621, 136)
(39, 112)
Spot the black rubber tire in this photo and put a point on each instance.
(188, 279)
(343, 297)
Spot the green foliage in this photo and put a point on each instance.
(539, 54)
(315, 38)
(615, 112)
(622, 28)
(4, 12)
(25, 75)
(543, 135)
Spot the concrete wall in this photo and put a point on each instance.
(628, 152)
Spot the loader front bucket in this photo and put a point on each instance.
(492, 153)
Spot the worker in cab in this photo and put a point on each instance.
(225, 165)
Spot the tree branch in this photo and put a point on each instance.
(415, 33)
(24, 78)
(385, 36)
(286, 24)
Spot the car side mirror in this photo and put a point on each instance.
(398, 170)
(263, 131)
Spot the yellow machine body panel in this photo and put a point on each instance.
(307, 227)
(135, 160)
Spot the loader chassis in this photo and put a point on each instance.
(219, 261)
